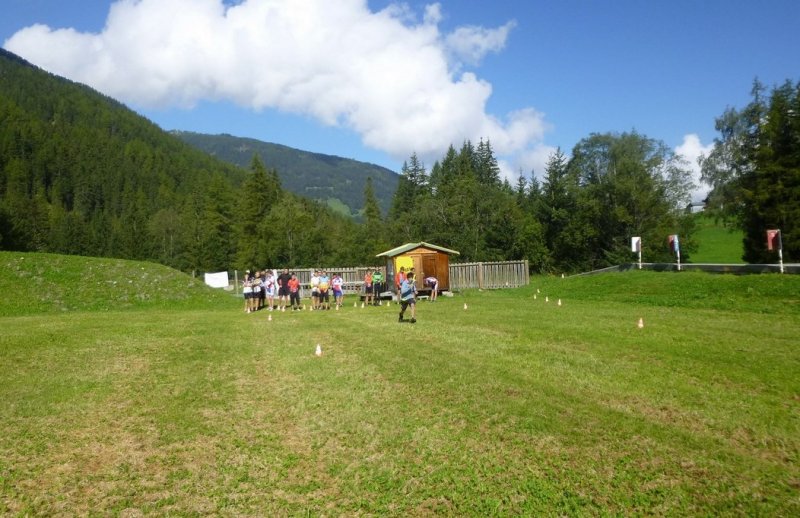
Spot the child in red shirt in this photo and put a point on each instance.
(294, 292)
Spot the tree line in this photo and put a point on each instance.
(754, 170)
(580, 216)
(82, 174)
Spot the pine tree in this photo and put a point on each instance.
(754, 170)
(257, 195)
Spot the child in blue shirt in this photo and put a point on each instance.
(408, 290)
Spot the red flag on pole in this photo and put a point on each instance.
(774, 239)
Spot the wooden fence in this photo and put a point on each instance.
(491, 275)
(503, 274)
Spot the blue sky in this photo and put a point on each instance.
(378, 80)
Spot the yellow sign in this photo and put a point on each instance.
(403, 261)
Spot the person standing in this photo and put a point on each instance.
(408, 292)
(324, 291)
(294, 292)
(433, 284)
(368, 287)
(337, 283)
(314, 283)
(269, 289)
(398, 280)
(247, 290)
(377, 285)
(257, 287)
(283, 288)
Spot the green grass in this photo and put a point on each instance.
(717, 244)
(513, 406)
(43, 283)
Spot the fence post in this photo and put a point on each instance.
(236, 281)
(480, 276)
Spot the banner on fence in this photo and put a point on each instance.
(217, 280)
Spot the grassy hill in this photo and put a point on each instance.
(335, 180)
(515, 406)
(717, 244)
(34, 283)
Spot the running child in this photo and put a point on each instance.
(408, 290)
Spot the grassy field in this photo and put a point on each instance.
(166, 398)
(716, 244)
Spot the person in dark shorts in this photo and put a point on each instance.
(283, 288)
(433, 283)
(294, 292)
(324, 287)
(377, 286)
(368, 288)
(408, 292)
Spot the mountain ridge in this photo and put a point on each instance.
(327, 178)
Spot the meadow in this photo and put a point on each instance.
(127, 388)
(716, 244)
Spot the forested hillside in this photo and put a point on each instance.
(313, 175)
(82, 174)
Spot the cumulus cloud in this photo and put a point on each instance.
(692, 149)
(397, 81)
(471, 44)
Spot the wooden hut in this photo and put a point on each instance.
(426, 259)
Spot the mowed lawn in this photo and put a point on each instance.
(511, 406)
(717, 244)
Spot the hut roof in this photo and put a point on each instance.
(411, 246)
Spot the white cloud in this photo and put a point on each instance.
(472, 43)
(382, 74)
(692, 149)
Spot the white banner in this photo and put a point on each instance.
(636, 244)
(217, 280)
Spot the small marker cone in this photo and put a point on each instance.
(318, 352)
(641, 323)
(283, 309)
(355, 304)
(537, 290)
(465, 305)
(304, 307)
(559, 302)
(562, 275)
(547, 299)
(269, 318)
(337, 307)
(380, 303)
(312, 308)
(534, 296)
(362, 305)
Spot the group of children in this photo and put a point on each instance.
(261, 288)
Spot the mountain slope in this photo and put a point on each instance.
(80, 173)
(313, 175)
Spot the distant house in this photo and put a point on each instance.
(426, 259)
(696, 206)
